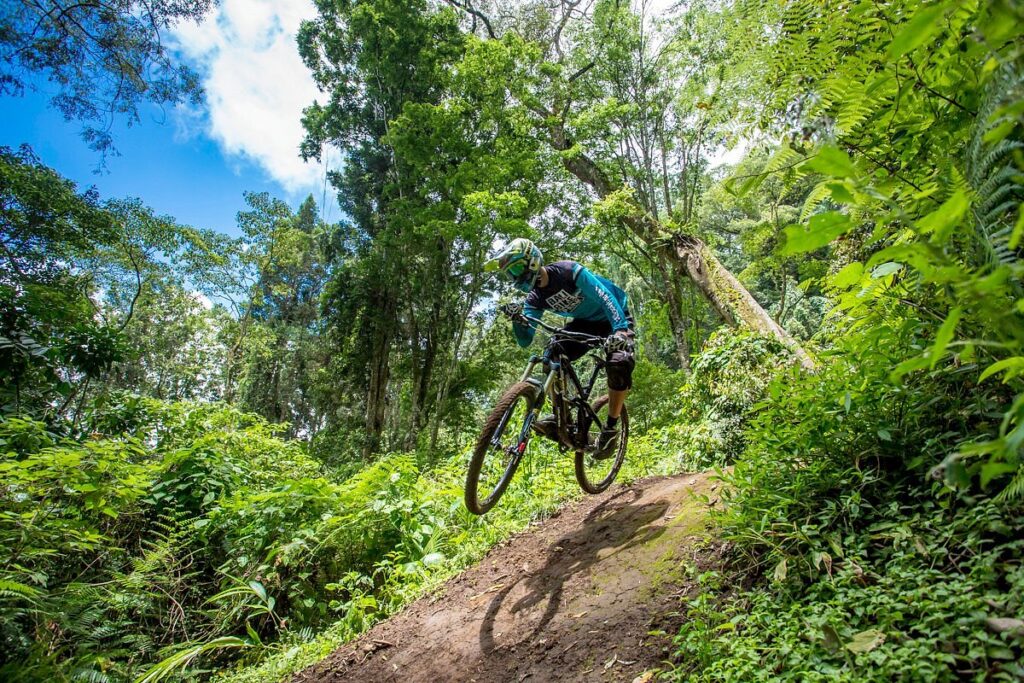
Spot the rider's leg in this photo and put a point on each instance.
(615, 401)
(620, 379)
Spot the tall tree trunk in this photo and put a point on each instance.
(380, 333)
(664, 169)
(674, 303)
(376, 393)
(449, 370)
(423, 371)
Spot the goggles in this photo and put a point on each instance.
(514, 270)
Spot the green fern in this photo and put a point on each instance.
(993, 172)
(18, 591)
(1014, 491)
(185, 656)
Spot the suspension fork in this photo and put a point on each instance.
(553, 368)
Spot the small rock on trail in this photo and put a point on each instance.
(571, 600)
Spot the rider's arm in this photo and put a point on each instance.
(524, 333)
(592, 288)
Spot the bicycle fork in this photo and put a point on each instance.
(553, 368)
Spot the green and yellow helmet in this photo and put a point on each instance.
(519, 263)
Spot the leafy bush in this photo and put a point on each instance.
(192, 531)
(104, 561)
(711, 409)
(862, 562)
(925, 594)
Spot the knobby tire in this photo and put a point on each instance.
(484, 449)
(620, 454)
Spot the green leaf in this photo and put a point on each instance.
(944, 336)
(258, 589)
(945, 218)
(830, 639)
(908, 366)
(831, 161)
(1012, 366)
(1018, 228)
(850, 274)
(886, 269)
(781, 570)
(991, 470)
(916, 32)
(841, 194)
(956, 474)
(432, 559)
(866, 641)
(998, 133)
(253, 636)
(820, 231)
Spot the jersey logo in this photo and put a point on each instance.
(564, 302)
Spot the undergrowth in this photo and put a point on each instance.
(865, 557)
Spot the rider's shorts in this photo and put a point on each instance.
(620, 363)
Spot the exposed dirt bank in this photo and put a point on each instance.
(572, 599)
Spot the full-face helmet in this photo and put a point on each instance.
(519, 263)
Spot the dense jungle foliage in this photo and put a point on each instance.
(220, 457)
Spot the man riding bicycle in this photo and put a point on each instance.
(597, 307)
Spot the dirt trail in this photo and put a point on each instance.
(573, 599)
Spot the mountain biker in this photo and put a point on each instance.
(597, 307)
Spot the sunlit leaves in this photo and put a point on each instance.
(946, 217)
(924, 25)
(831, 161)
(820, 230)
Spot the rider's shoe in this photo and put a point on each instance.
(547, 427)
(607, 443)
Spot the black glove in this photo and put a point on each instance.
(513, 310)
(618, 341)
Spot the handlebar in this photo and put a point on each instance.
(562, 332)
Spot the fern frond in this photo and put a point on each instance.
(16, 590)
(820, 193)
(182, 658)
(1014, 491)
(90, 676)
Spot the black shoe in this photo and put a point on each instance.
(607, 443)
(547, 427)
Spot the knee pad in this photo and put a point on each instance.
(620, 371)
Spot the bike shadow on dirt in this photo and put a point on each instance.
(615, 524)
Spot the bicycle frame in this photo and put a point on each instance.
(559, 374)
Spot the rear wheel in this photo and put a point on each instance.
(593, 475)
(500, 448)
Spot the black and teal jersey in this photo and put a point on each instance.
(574, 292)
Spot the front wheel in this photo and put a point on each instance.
(595, 476)
(500, 448)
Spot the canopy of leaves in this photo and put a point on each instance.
(105, 57)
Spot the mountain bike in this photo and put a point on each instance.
(578, 422)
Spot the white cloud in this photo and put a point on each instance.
(256, 85)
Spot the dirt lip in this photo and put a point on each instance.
(575, 599)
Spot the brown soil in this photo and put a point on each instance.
(574, 599)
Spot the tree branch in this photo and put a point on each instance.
(467, 7)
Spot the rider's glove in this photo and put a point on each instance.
(512, 310)
(618, 341)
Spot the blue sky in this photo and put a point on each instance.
(195, 163)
